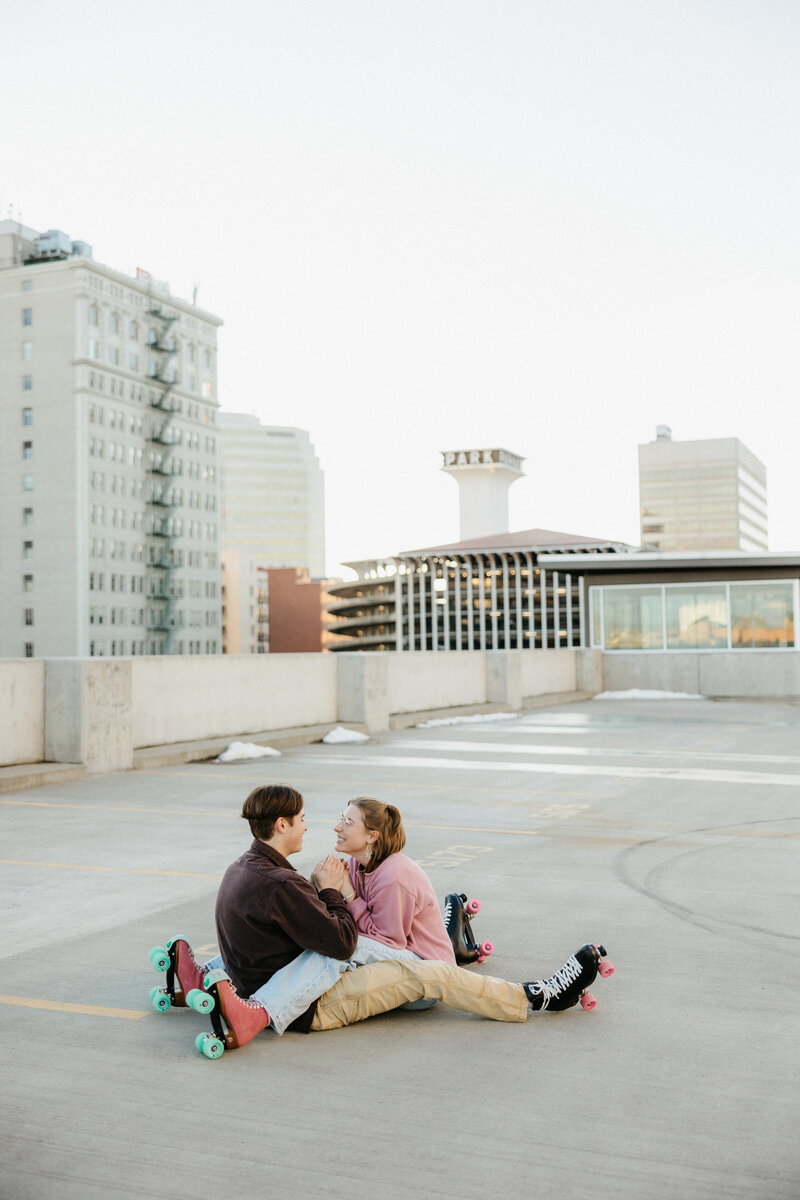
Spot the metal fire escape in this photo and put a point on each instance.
(162, 496)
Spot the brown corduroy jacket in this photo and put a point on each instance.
(267, 913)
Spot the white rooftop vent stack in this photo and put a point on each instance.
(483, 478)
(663, 433)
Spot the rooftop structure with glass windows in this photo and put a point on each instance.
(538, 596)
(696, 602)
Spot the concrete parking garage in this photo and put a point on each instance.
(667, 829)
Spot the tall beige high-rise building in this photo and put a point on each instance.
(273, 496)
(709, 494)
(109, 458)
(273, 515)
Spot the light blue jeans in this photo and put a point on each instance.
(290, 991)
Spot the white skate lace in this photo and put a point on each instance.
(552, 988)
(242, 1000)
(448, 909)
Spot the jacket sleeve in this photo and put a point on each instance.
(316, 922)
(389, 914)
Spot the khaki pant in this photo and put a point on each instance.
(379, 987)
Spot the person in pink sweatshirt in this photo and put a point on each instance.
(392, 899)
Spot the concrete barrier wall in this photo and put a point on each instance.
(718, 673)
(180, 699)
(546, 671)
(97, 711)
(421, 680)
(21, 711)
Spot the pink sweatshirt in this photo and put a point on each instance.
(396, 905)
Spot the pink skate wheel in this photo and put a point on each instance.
(605, 969)
(472, 906)
(588, 1002)
(481, 958)
(486, 948)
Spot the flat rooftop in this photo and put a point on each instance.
(666, 829)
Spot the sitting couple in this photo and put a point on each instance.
(355, 940)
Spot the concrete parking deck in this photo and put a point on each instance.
(667, 829)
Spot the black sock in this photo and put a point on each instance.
(535, 997)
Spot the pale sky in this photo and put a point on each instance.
(546, 225)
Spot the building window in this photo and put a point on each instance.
(94, 348)
(27, 583)
(92, 314)
(27, 483)
(694, 616)
(27, 316)
(27, 350)
(762, 615)
(113, 323)
(29, 649)
(28, 616)
(27, 516)
(697, 618)
(27, 415)
(27, 549)
(27, 384)
(27, 451)
(113, 355)
(27, 285)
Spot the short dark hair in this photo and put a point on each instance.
(266, 804)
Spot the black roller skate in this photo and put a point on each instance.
(458, 914)
(570, 985)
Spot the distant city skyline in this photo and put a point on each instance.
(429, 224)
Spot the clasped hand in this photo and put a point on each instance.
(331, 872)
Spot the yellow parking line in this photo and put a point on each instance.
(88, 1010)
(119, 808)
(194, 812)
(24, 862)
(408, 786)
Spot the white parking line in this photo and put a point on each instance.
(679, 774)
(463, 747)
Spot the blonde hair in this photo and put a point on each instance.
(384, 819)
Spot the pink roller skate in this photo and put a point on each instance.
(184, 975)
(236, 1022)
(570, 985)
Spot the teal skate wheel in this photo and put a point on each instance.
(200, 1001)
(159, 958)
(160, 1000)
(210, 1046)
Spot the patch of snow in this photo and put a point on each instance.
(467, 720)
(242, 751)
(338, 735)
(646, 694)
